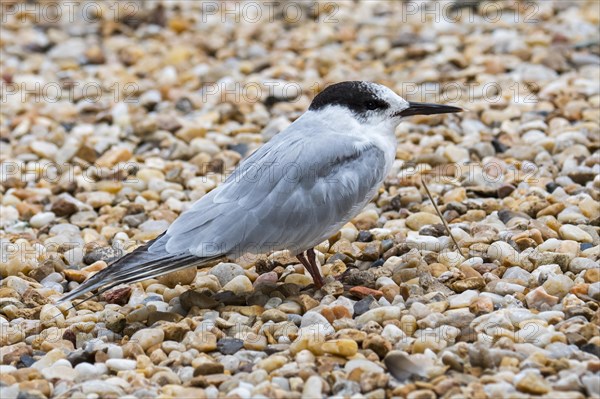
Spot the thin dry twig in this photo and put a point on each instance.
(441, 217)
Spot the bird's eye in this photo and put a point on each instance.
(372, 105)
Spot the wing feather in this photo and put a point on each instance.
(291, 192)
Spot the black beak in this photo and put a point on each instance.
(427, 109)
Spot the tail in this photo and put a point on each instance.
(141, 264)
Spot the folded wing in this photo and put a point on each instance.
(289, 194)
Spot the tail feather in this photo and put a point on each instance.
(136, 266)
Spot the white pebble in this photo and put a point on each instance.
(42, 219)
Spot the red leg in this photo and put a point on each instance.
(309, 266)
(304, 262)
(312, 259)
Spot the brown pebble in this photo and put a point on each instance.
(363, 292)
(377, 344)
(43, 386)
(592, 275)
(209, 368)
(390, 291)
(482, 305)
(118, 296)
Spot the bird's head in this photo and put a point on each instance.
(373, 104)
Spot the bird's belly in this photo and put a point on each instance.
(342, 221)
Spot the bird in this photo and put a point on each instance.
(292, 193)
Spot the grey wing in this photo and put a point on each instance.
(290, 194)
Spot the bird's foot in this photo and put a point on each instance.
(312, 259)
(311, 266)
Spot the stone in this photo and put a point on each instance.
(379, 315)
(121, 364)
(570, 232)
(530, 381)
(299, 279)
(540, 299)
(51, 315)
(192, 298)
(392, 333)
(594, 291)
(106, 254)
(59, 372)
(503, 252)
(119, 296)
(316, 320)
(505, 288)
(340, 347)
(225, 272)
(148, 337)
(481, 305)
(591, 384)
(42, 386)
(592, 275)
(209, 368)
(272, 363)
(577, 265)
(378, 344)
(313, 387)
(517, 273)
(266, 278)
(274, 315)
(179, 277)
(255, 342)
(203, 342)
(113, 156)
(42, 219)
(239, 285)
(362, 306)
(165, 377)
(462, 300)
(362, 292)
(229, 346)
(44, 149)
(558, 286)
(401, 366)
(417, 220)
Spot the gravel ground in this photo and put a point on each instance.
(115, 117)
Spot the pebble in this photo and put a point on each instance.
(148, 337)
(570, 232)
(266, 278)
(313, 387)
(392, 333)
(239, 285)
(379, 315)
(504, 288)
(225, 272)
(340, 347)
(462, 300)
(402, 366)
(532, 382)
(180, 277)
(558, 286)
(594, 291)
(42, 219)
(577, 265)
(503, 252)
(540, 299)
(229, 346)
(316, 320)
(421, 219)
(591, 384)
(121, 364)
